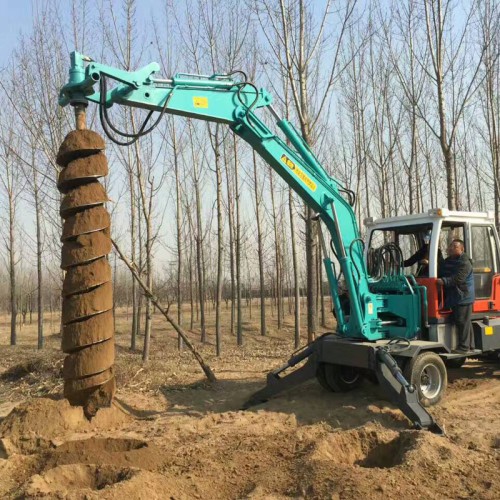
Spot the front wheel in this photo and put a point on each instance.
(338, 378)
(427, 372)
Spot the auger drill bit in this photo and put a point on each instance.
(87, 317)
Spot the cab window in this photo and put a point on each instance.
(409, 239)
(483, 259)
(450, 231)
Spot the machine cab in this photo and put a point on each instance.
(423, 240)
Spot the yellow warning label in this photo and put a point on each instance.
(299, 172)
(488, 330)
(200, 102)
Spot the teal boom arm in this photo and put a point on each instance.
(219, 98)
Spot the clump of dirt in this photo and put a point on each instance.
(78, 481)
(92, 360)
(78, 477)
(84, 196)
(86, 221)
(82, 170)
(89, 275)
(86, 304)
(82, 391)
(78, 144)
(48, 419)
(366, 447)
(85, 248)
(105, 451)
(88, 331)
(83, 384)
(373, 462)
(465, 383)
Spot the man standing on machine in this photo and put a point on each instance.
(458, 280)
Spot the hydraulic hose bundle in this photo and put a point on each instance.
(87, 316)
(386, 260)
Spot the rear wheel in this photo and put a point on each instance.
(338, 378)
(493, 356)
(427, 372)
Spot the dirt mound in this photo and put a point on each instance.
(375, 462)
(307, 443)
(104, 451)
(79, 481)
(42, 420)
(366, 447)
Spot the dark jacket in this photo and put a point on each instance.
(458, 279)
(421, 254)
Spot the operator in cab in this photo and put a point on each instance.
(422, 257)
(458, 280)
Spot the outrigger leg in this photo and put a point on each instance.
(369, 357)
(403, 394)
(277, 383)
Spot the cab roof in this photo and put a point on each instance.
(431, 215)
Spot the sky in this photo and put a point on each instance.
(15, 18)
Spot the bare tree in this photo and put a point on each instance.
(239, 326)
(454, 76)
(299, 44)
(260, 245)
(10, 180)
(489, 16)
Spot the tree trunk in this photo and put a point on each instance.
(260, 249)
(133, 243)
(239, 330)
(230, 215)
(12, 270)
(178, 222)
(312, 277)
(220, 243)
(296, 285)
(277, 250)
(39, 258)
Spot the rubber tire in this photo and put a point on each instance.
(333, 378)
(320, 375)
(455, 363)
(413, 373)
(492, 356)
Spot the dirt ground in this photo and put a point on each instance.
(171, 435)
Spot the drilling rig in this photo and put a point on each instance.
(392, 328)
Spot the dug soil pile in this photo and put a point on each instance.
(173, 436)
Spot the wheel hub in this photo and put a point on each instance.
(430, 381)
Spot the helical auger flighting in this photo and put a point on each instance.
(87, 294)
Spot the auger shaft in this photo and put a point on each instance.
(87, 317)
